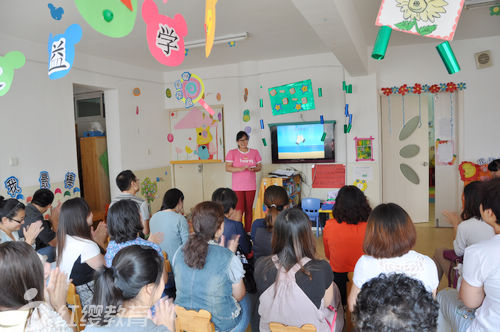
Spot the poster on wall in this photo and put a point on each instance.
(197, 135)
(445, 152)
(293, 97)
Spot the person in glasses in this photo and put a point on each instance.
(12, 213)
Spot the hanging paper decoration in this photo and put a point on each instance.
(44, 180)
(248, 130)
(76, 190)
(67, 193)
(448, 57)
(364, 148)
(149, 189)
(346, 87)
(361, 184)
(495, 10)
(12, 186)
(136, 92)
(61, 50)
(348, 126)
(190, 90)
(56, 13)
(470, 171)
(218, 96)
(209, 25)
(231, 44)
(170, 138)
(383, 36)
(8, 63)
(165, 35)
(434, 19)
(293, 97)
(445, 152)
(246, 115)
(69, 180)
(424, 88)
(168, 93)
(111, 18)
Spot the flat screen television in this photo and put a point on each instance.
(300, 142)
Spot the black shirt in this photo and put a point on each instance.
(46, 235)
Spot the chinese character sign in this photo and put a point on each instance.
(8, 63)
(44, 180)
(165, 35)
(12, 186)
(69, 180)
(61, 50)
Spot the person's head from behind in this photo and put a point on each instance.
(292, 238)
(226, 197)
(351, 206)
(494, 168)
(472, 201)
(12, 213)
(134, 279)
(127, 181)
(20, 270)
(389, 232)
(42, 199)
(173, 200)
(208, 224)
(395, 303)
(75, 219)
(276, 200)
(490, 203)
(124, 221)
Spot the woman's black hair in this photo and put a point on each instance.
(275, 200)
(472, 201)
(241, 134)
(9, 207)
(124, 221)
(133, 268)
(72, 221)
(494, 166)
(226, 197)
(20, 270)
(351, 206)
(171, 199)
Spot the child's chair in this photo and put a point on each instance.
(311, 207)
(277, 327)
(73, 300)
(193, 321)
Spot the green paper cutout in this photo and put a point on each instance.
(8, 63)
(426, 30)
(293, 97)
(323, 137)
(122, 18)
(406, 25)
(103, 159)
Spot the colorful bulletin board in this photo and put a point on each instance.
(197, 136)
(293, 97)
(364, 149)
(328, 176)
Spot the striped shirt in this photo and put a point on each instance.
(142, 204)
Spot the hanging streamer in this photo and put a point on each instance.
(419, 112)
(403, 99)
(451, 116)
(390, 117)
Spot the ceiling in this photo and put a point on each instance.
(276, 29)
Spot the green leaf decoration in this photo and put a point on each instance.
(405, 25)
(426, 30)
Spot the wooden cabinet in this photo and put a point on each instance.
(292, 185)
(95, 177)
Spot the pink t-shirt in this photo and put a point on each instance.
(245, 180)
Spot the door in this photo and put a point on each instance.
(405, 153)
(188, 178)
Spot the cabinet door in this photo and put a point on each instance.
(214, 176)
(188, 178)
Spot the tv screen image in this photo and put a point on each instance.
(301, 142)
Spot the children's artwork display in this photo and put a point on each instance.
(61, 50)
(293, 97)
(364, 148)
(8, 63)
(429, 18)
(197, 134)
(445, 152)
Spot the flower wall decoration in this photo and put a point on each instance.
(418, 88)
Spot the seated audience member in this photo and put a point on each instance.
(467, 232)
(124, 226)
(170, 221)
(132, 285)
(22, 295)
(395, 303)
(275, 199)
(209, 276)
(78, 252)
(294, 279)
(12, 215)
(227, 198)
(46, 241)
(477, 306)
(389, 237)
(129, 186)
(343, 236)
(494, 168)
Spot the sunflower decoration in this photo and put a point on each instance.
(415, 11)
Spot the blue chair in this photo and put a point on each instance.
(311, 207)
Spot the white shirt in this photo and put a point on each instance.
(482, 269)
(73, 248)
(413, 264)
(5, 238)
(469, 232)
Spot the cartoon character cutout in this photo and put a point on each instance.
(61, 50)
(165, 35)
(113, 18)
(8, 63)
(209, 25)
(205, 148)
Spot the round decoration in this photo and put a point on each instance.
(136, 92)
(192, 88)
(248, 130)
(361, 184)
(168, 93)
(218, 96)
(170, 138)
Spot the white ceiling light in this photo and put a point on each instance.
(480, 3)
(217, 40)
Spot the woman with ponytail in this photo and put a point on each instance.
(128, 289)
(276, 200)
(209, 276)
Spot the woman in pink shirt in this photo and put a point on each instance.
(243, 162)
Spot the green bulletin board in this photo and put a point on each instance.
(293, 97)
